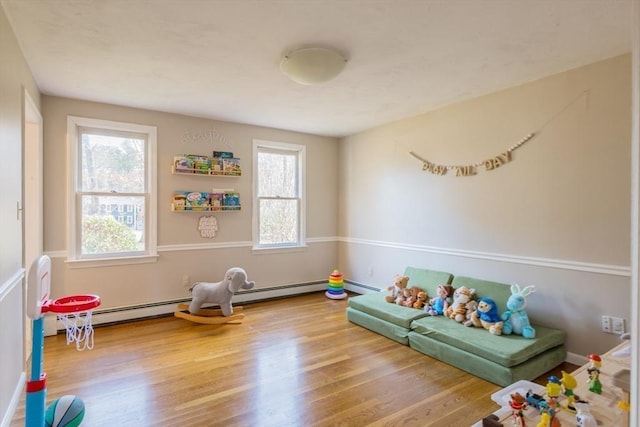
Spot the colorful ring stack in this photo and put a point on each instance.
(335, 289)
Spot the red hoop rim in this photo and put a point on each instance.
(72, 304)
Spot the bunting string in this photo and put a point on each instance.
(468, 170)
(494, 162)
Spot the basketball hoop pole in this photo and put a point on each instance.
(37, 385)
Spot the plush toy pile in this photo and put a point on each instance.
(462, 306)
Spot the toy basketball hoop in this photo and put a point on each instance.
(75, 313)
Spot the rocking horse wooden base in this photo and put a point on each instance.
(209, 316)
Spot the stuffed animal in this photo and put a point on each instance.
(421, 300)
(438, 304)
(515, 319)
(471, 307)
(219, 293)
(457, 310)
(400, 283)
(411, 296)
(486, 316)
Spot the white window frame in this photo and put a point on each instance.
(300, 152)
(151, 210)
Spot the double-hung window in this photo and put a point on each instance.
(112, 186)
(278, 213)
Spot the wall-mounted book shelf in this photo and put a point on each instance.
(200, 201)
(205, 172)
(223, 164)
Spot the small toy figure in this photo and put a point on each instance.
(545, 420)
(518, 403)
(595, 361)
(595, 385)
(584, 417)
(553, 390)
(569, 383)
(549, 408)
(535, 400)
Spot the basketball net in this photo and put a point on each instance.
(79, 329)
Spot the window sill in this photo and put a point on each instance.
(278, 249)
(108, 262)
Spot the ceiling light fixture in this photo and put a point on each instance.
(312, 65)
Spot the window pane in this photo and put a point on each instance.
(108, 225)
(112, 163)
(278, 222)
(277, 175)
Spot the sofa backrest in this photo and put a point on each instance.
(428, 280)
(499, 292)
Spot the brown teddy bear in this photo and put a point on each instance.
(410, 296)
(421, 300)
(400, 283)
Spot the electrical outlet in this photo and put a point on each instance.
(186, 281)
(606, 324)
(617, 325)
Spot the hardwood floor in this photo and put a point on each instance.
(291, 362)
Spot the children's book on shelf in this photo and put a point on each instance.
(231, 166)
(216, 201)
(191, 201)
(216, 166)
(223, 154)
(231, 201)
(201, 164)
(183, 164)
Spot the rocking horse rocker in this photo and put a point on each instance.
(219, 293)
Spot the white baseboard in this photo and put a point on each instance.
(130, 313)
(360, 288)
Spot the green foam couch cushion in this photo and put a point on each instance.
(499, 292)
(397, 333)
(533, 368)
(375, 305)
(505, 350)
(427, 280)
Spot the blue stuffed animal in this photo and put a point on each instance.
(486, 316)
(515, 319)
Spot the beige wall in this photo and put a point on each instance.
(557, 216)
(15, 78)
(182, 250)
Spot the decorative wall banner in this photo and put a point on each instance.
(210, 136)
(469, 170)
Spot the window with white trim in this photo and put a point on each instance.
(112, 190)
(278, 201)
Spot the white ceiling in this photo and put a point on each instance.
(220, 58)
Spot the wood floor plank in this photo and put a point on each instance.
(291, 362)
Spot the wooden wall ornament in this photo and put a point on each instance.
(489, 164)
